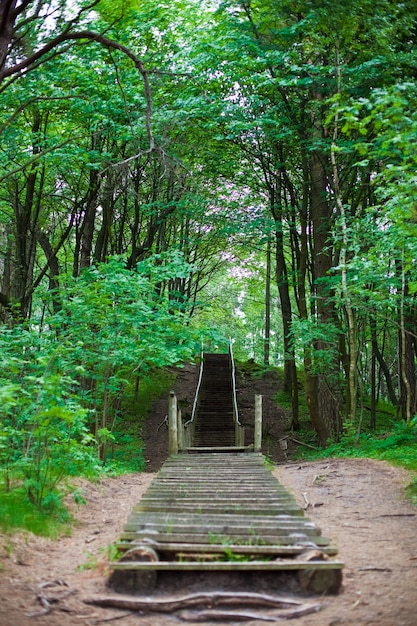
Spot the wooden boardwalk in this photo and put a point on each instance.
(221, 511)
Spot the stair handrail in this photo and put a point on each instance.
(193, 412)
(235, 409)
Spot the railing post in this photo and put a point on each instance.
(180, 430)
(239, 436)
(257, 441)
(172, 424)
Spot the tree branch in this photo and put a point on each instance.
(104, 41)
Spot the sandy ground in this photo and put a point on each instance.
(359, 503)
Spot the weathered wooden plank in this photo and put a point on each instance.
(222, 491)
(218, 535)
(252, 457)
(214, 449)
(239, 473)
(218, 517)
(136, 521)
(204, 537)
(221, 488)
(226, 518)
(229, 565)
(232, 474)
(220, 500)
(199, 485)
(210, 548)
(152, 523)
(222, 508)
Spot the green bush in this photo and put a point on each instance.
(397, 445)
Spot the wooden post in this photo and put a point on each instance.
(180, 430)
(172, 424)
(257, 442)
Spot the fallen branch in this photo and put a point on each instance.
(115, 618)
(232, 616)
(198, 599)
(216, 616)
(372, 568)
(42, 599)
(301, 443)
(47, 601)
(398, 515)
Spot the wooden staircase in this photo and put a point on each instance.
(215, 426)
(216, 507)
(217, 512)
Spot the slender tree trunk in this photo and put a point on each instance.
(281, 274)
(25, 224)
(53, 265)
(352, 386)
(87, 228)
(267, 336)
(406, 354)
(290, 371)
(101, 250)
(372, 376)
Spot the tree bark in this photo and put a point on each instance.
(267, 334)
(382, 363)
(329, 401)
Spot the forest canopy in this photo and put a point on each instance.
(186, 171)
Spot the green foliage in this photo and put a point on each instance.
(43, 431)
(412, 491)
(127, 455)
(246, 97)
(17, 512)
(320, 339)
(398, 445)
(114, 323)
(61, 387)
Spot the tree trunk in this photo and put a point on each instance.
(281, 272)
(53, 269)
(372, 375)
(329, 400)
(311, 387)
(267, 335)
(406, 355)
(25, 224)
(381, 361)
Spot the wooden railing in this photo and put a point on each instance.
(239, 428)
(181, 434)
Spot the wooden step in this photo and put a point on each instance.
(222, 512)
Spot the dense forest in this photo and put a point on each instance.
(182, 172)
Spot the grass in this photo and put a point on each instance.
(18, 513)
(395, 442)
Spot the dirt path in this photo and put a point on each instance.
(358, 503)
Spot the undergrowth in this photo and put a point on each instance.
(394, 440)
(127, 454)
(18, 513)
(49, 517)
